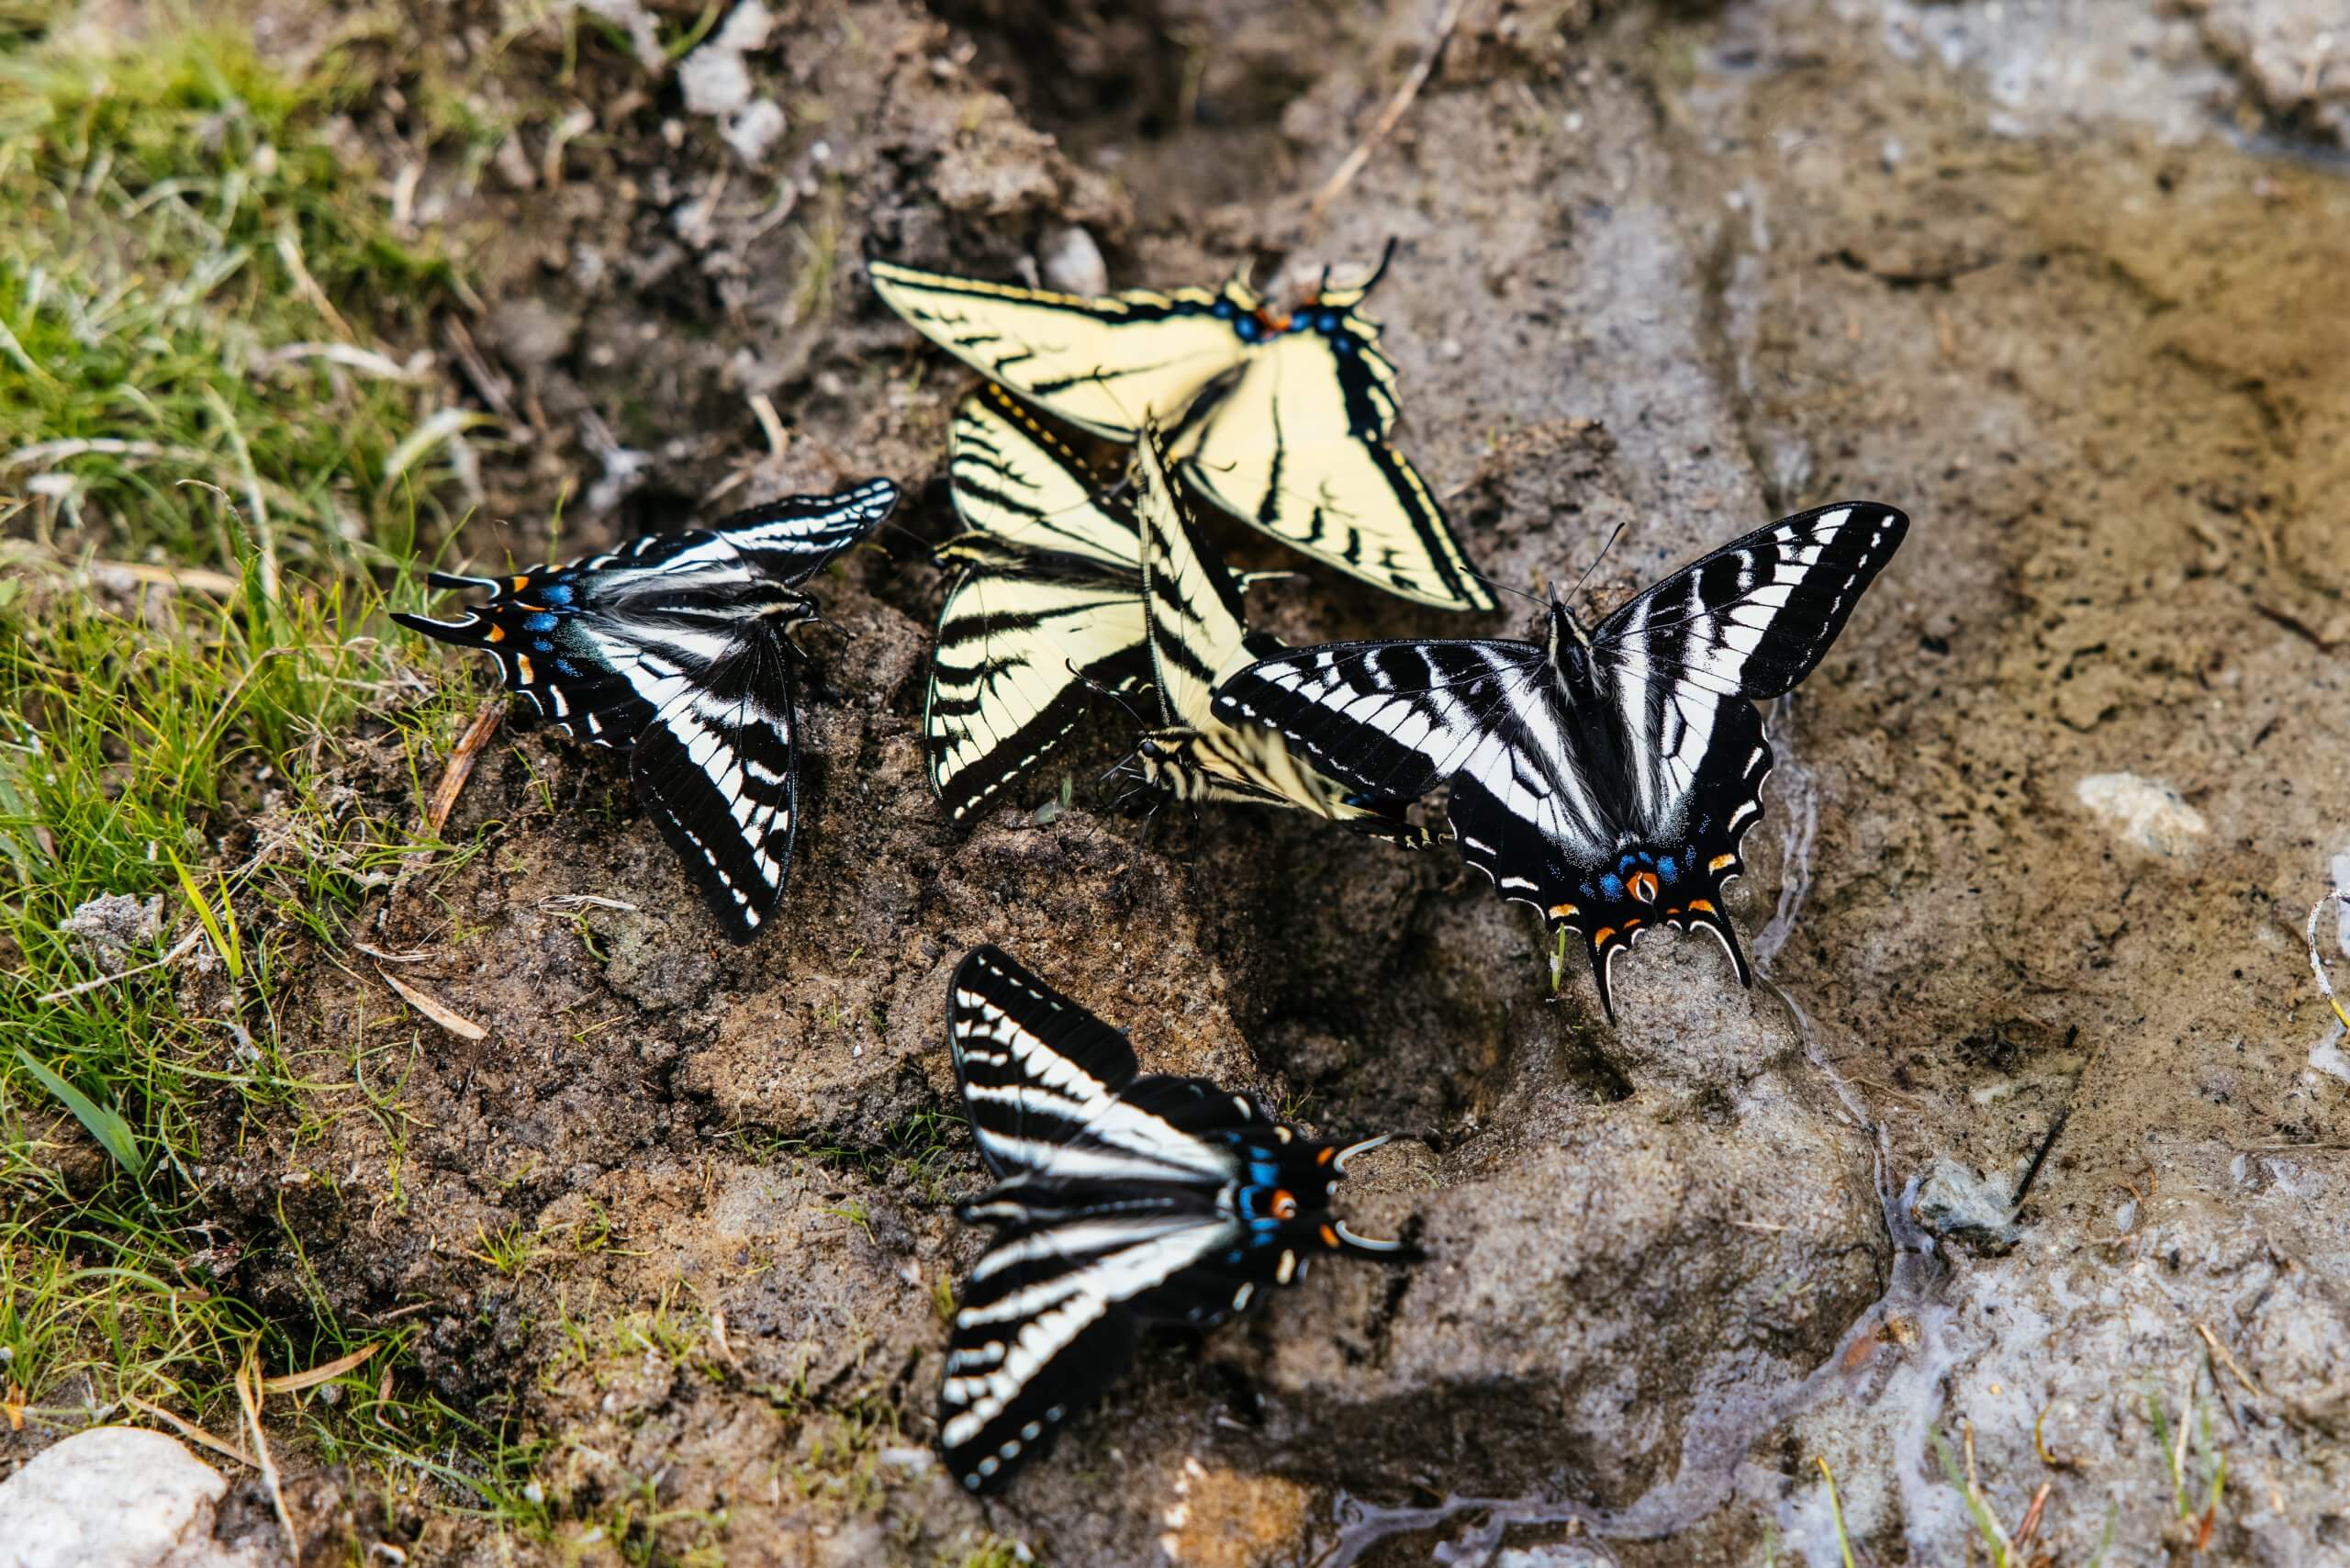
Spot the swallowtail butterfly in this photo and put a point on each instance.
(672, 647)
(1120, 1201)
(1285, 415)
(1605, 777)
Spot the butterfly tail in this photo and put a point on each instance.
(1703, 915)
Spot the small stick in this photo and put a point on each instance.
(461, 763)
(2227, 1359)
(1448, 19)
(2317, 964)
(186, 945)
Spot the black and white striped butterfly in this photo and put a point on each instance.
(1603, 777)
(672, 647)
(1120, 1201)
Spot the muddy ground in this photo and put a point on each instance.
(2067, 281)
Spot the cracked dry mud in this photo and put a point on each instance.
(2011, 268)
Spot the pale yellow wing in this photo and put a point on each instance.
(1045, 605)
(1100, 364)
(1298, 445)
(1016, 477)
(1192, 604)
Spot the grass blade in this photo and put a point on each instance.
(107, 1126)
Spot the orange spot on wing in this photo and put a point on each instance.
(1284, 1205)
(1599, 939)
(497, 634)
(1329, 1237)
(521, 583)
(1563, 912)
(1643, 886)
(1718, 861)
(1330, 1153)
(522, 663)
(1701, 906)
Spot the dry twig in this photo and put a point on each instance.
(1447, 19)
(461, 763)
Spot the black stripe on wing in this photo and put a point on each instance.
(793, 537)
(718, 768)
(1757, 615)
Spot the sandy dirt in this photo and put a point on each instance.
(2070, 282)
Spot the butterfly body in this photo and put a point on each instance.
(674, 647)
(1607, 777)
(1121, 1201)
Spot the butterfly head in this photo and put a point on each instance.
(1287, 1189)
(1562, 635)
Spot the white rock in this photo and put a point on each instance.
(1072, 263)
(2149, 813)
(117, 1497)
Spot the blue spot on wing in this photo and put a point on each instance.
(555, 593)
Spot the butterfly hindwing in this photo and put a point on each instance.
(1045, 604)
(1101, 364)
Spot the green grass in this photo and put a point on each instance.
(209, 488)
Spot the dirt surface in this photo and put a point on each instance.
(2037, 855)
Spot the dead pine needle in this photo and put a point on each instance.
(191, 1431)
(2225, 1358)
(249, 1394)
(461, 763)
(439, 1012)
(1397, 106)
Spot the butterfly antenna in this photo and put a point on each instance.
(1112, 692)
(1363, 288)
(1614, 535)
(1497, 583)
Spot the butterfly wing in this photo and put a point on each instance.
(1298, 445)
(1046, 1086)
(1191, 604)
(1047, 603)
(1757, 615)
(718, 767)
(792, 539)
(1100, 364)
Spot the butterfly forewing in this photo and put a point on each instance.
(1100, 364)
(1298, 445)
(793, 537)
(718, 767)
(1757, 615)
(1045, 604)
